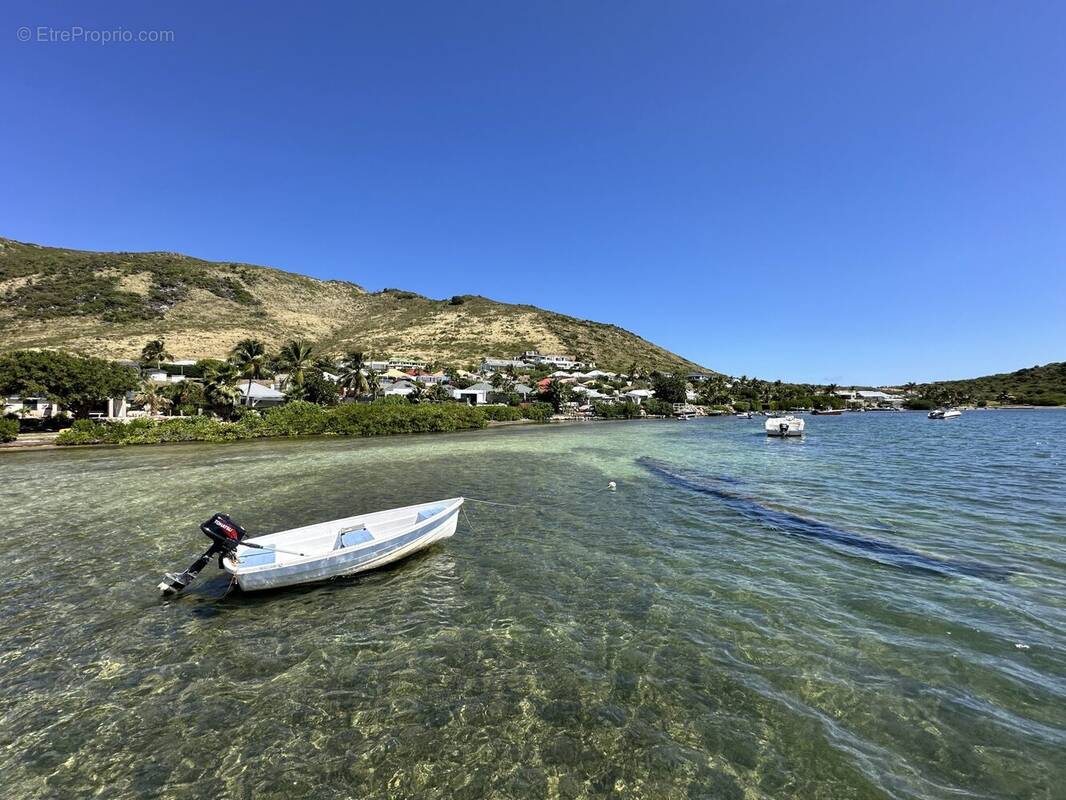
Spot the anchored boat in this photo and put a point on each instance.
(321, 551)
(784, 426)
(945, 413)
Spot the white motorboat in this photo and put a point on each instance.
(321, 551)
(945, 413)
(784, 426)
(744, 414)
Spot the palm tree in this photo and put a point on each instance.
(372, 383)
(219, 380)
(155, 350)
(325, 363)
(497, 380)
(151, 396)
(296, 357)
(249, 356)
(352, 376)
(188, 393)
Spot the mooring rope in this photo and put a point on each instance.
(470, 524)
(494, 502)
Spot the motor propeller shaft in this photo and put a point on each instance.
(225, 535)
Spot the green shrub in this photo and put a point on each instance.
(1045, 400)
(538, 412)
(383, 417)
(298, 418)
(626, 410)
(658, 407)
(9, 429)
(501, 413)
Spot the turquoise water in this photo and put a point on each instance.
(654, 642)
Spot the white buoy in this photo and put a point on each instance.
(612, 486)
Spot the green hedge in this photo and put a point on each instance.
(658, 407)
(626, 410)
(538, 412)
(9, 429)
(502, 413)
(293, 419)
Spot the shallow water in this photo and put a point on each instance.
(655, 642)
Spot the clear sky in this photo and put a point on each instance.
(829, 192)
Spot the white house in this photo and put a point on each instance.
(394, 363)
(35, 407)
(879, 398)
(399, 389)
(260, 396)
(590, 394)
(476, 395)
(638, 396)
(561, 360)
(159, 376)
(500, 364)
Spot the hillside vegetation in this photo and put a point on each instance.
(109, 304)
(1042, 386)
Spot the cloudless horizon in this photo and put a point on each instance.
(816, 192)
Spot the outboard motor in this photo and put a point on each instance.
(225, 535)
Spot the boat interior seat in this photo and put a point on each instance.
(426, 513)
(354, 536)
(257, 558)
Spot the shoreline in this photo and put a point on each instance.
(38, 446)
(47, 441)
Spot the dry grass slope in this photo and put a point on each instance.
(109, 304)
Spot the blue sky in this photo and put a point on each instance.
(845, 192)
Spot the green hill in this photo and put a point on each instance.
(109, 304)
(1042, 386)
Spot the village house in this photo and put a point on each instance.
(490, 365)
(258, 395)
(476, 395)
(563, 361)
(638, 396)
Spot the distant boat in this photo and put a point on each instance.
(784, 426)
(827, 412)
(321, 551)
(744, 415)
(945, 413)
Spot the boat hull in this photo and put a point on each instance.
(784, 426)
(345, 561)
(950, 413)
